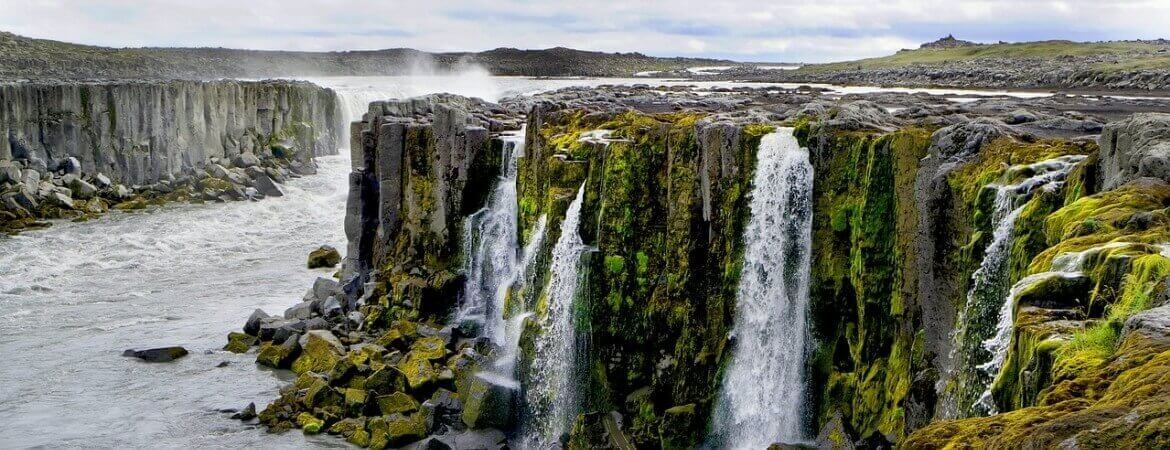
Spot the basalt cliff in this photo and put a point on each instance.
(74, 150)
(573, 269)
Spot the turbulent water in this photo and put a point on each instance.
(550, 392)
(763, 394)
(991, 287)
(75, 295)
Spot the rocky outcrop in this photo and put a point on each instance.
(142, 132)
(71, 150)
(1133, 148)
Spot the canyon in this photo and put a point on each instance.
(585, 263)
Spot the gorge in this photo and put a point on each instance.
(595, 263)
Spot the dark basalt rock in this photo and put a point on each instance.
(161, 354)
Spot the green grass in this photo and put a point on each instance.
(1143, 55)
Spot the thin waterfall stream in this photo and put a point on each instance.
(991, 286)
(763, 395)
(550, 392)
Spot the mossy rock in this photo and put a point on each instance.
(431, 348)
(278, 356)
(679, 428)
(240, 342)
(325, 256)
(397, 402)
(490, 402)
(355, 399)
(320, 352)
(396, 430)
(309, 423)
(418, 372)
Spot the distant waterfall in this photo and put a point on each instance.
(492, 246)
(763, 392)
(550, 394)
(990, 284)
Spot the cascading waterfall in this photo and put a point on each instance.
(1067, 265)
(492, 247)
(763, 393)
(550, 392)
(990, 284)
(514, 326)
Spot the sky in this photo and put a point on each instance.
(744, 30)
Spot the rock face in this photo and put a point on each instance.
(140, 132)
(904, 213)
(1133, 148)
(74, 150)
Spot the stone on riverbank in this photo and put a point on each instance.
(161, 354)
(324, 256)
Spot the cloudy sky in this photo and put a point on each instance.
(750, 30)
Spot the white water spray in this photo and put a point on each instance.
(763, 393)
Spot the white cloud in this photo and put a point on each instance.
(746, 29)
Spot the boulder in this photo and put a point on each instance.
(240, 342)
(490, 402)
(1152, 324)
(299, 311)
(252, 326)
(246, 159)
(70, 166)
(279, 356)
(102, 181)
(161, 354)
(320, 351)
(836, 434)
(60, 199)
(1135, 147)
(268, 327)
(396, 430)
(324, 256)
(309, 423)
(82, 189)
(9, 172)
(248, 413)
(1019, 116)
(322, 289)
(418, 372)
(964, 139)
(397, 402)
(266, 186)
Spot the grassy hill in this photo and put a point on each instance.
(27, 58)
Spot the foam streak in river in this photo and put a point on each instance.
(763, 393)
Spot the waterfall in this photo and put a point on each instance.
(1068, 265)
(990, 284)
(492, 249)
(551, 385)
(763, 392)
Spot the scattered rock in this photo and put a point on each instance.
(324, 256)
(240, 342)
(265, 185)
(161, 354)
(248, 413)
(252, 326)
(490, 402)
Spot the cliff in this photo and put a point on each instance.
(974, 278)
(118, 140)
